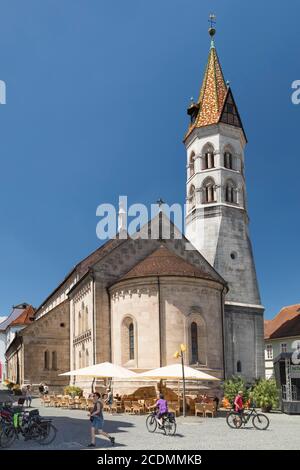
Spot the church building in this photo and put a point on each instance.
(134, 301)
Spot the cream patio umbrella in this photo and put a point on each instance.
(102, 370)
(174, 372)
(178, 372)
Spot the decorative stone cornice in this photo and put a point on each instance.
(86, 289)
(87, 335)
(124, 292)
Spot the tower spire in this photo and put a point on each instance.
(215, 94)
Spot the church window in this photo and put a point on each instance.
(192, 164)
(80, 360)
(208, 190)
(239, 366)
(54, 360)
(87, 361)
(46, 360)
(131, 341)
(194, 342)
(82, 327)
(86, 318)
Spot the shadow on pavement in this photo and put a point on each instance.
(74, 433)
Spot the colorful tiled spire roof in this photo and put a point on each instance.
(215, 103)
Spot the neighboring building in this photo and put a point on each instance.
(2, 350)
(20, 316)
(282, 335)
(134, 301)
(40, 352)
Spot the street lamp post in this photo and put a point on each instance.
(181, 355)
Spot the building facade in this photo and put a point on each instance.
(282, 335)
(19, 318)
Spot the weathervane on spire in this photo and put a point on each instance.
(212, 21)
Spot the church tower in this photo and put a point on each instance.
(217, 218)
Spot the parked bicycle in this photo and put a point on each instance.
(30, 425)
(168, 423)
(237, 420)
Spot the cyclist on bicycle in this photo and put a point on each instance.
(162, 409)
(238, 403)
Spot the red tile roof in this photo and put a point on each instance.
(25, 317)
(163, 262)
(285, 324)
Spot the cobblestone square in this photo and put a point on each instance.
(192, 433)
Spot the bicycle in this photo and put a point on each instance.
(168, 423)
(235, 420)
(30, 425)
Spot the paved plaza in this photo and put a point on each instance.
(192, 433)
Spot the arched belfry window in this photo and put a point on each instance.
(192, 197)
(131, 341)
(228, 160)
(231, 192)
(208, 159)
(208, 191)
(192, 164)
(194, 342)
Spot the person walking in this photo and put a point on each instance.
(41, 389)
(109, 400)
(28, 396)
(97, 421)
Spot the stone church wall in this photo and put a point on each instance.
(50, 334)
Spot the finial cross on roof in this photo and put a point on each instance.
(160, 202)
(212, 20)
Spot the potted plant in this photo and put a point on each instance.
(265, 394)
(73, 391)
(231, 388)
(9, 385)
(17, 390)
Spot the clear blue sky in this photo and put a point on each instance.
(96, 100)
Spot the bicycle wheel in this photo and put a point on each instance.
(169, 427)
(234, 420)
(47, 434)
(7, 436)
(151, 423)
(260, 422)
